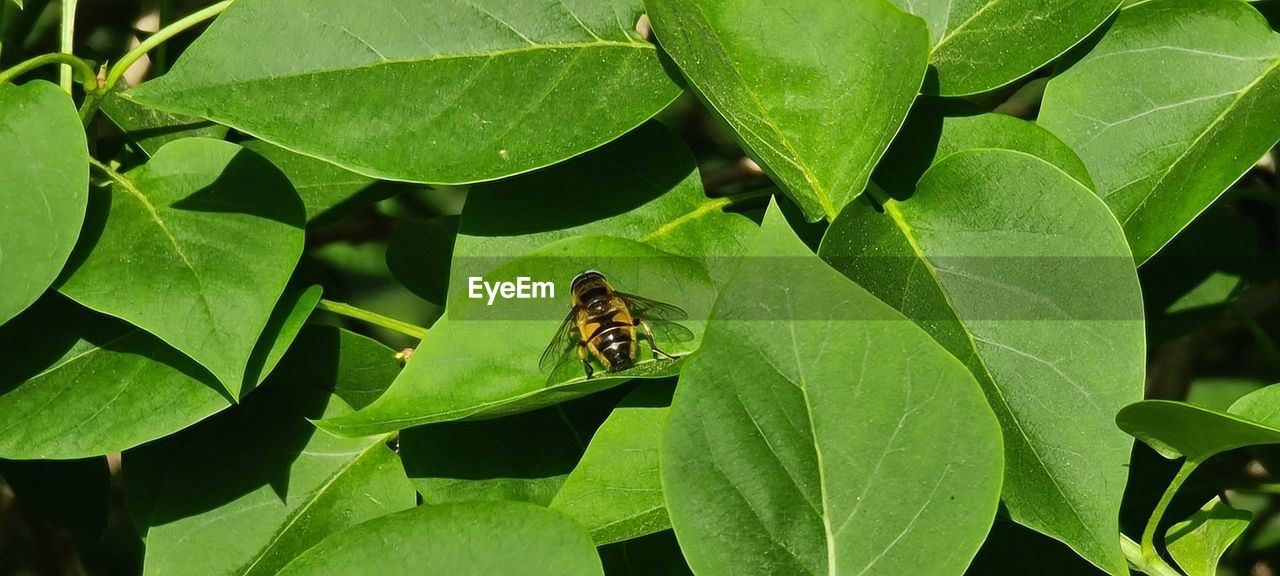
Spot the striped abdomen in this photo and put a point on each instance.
(608, 329)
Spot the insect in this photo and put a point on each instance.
(602, 323)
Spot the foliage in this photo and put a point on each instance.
(931, 257)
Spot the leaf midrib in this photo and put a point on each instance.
(300, 512)
(1221, 118)
(128, 185)
(905, 229)
(949, 36)
(823, 196)
(581, 46)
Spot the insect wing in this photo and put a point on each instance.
(652, 310)
(660, 317)
(560, 345)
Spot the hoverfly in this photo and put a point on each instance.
(602, 323)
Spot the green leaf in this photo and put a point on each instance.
(328, 192)
(1169, 109)
(473, 538)
(44, 190)
(615, 491)
(654, 234)
(816, 429)
(1198, 542)
(981, 45)
(1175, 429)
(523, 457)
(814, 99)
(250, 489)
(71, 494)
(937, 129)
(196, 249)
(483, 88)
(76, 384)
(286, 322)
(151, 129)
(1022, 273)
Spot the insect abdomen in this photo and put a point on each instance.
(615, 346)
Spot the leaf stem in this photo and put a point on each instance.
(746, 197)
(1133, 553)
(373, 318)
(117, 70)
(86, 71)
(1148, 549)
(68, 34)
(109, 171)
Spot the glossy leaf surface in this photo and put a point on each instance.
(654, 234)
(197, 247)
(814, 432)
(482, 88)
(1169, 109)
(468, 538)
(44, 189)
(615, 491)
(980, 45)
(1198, 542)
(815, 100)
(1020, 271)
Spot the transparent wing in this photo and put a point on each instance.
(652, 310)
(561, 344)
(668, 331)
(661, 317)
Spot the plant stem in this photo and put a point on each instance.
(25, 66)
(1148, 550)
(94, 98)
(746, 197)
(68, 34)
(1133, 553)
(118, 69)
(373, 318)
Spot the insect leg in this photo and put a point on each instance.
(648, 335)
(586, 363)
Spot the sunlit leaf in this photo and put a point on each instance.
(980, 45)
(1020, 271)
(43, 191)
(654, 234)
(197, 247)
(815, 99)
(815, 432)
(481, 88)
(1175, 102)
(1198, 542)
(464, 538)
